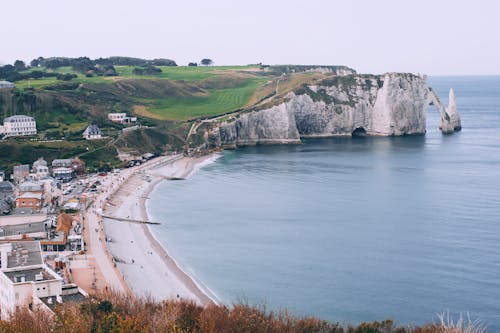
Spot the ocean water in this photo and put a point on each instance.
(352, 229)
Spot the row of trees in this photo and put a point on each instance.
(85, 63)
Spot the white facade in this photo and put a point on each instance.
(18, 126)
(24, 278)
(121, 118)
(117, 117)
(40, 169)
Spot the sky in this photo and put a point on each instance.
(434, 37)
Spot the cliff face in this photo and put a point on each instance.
(393, 104)
(271, 126)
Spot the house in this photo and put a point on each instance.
(64, 163)
(6, 85)
(2, 175)
(21, 173)
(92, 132)
(63, 174)
(30, 200)
(40, 169)
(121, 118)
(117, 117)
(27, 282)
(18, 126)
(31, 186)
(67, 236)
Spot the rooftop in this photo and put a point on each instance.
(24, 167)
(18, 118)
(6, 186)
(24, 254)
(29, 275)
(21, 229)
(30, 195)
(70, 293)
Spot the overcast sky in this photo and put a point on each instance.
(425, 36)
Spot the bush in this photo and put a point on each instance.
(115, 313)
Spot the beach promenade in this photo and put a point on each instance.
(126, 254)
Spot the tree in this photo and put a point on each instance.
(191, 64)
(206, 62)
(35, 63)
(19, 65)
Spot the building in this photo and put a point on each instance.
(62, 174)
(92, 132)
(67, 236)
(2, 175)
(6, 85)
(24, 277)
(31, 186)
(18, 126)
(27, 282)
(20, 173)
(62, 163)
(30, 200)
(6, 189)
(40, 169)
(78, 166)
(121, 118)
(117, 117)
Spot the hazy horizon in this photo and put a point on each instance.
(445, 38)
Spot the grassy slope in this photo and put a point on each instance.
(177, 95)
(217, 101)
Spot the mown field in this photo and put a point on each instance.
(215, 102)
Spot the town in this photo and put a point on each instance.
(44, 224)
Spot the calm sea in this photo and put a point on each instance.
(352, 229)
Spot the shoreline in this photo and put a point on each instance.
(150, 271)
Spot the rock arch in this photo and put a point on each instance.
(450, 120)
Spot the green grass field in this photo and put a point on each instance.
(217, 102)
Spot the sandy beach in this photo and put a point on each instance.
(145, 265)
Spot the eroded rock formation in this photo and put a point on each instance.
(392, 104)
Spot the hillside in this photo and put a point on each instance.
(66, 95)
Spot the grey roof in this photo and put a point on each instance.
(20, 229)
(6, 186)
(21, 168)
(30, 186)
(19, 117)
(5, 82)
(40, 162)
(62, 161)
(92, 130)
(29, 275)
(24, 254)
(75, 297)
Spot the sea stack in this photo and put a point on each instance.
(451, 110)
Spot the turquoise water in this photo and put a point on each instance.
(352, 229)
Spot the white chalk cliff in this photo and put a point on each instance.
(390, 105)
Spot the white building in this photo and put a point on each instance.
(6, 85)
(24, 278)
(121, 118)
(18, 125)
(117, 117)
(40, 169)
(92, 132)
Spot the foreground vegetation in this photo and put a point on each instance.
(112, 313)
